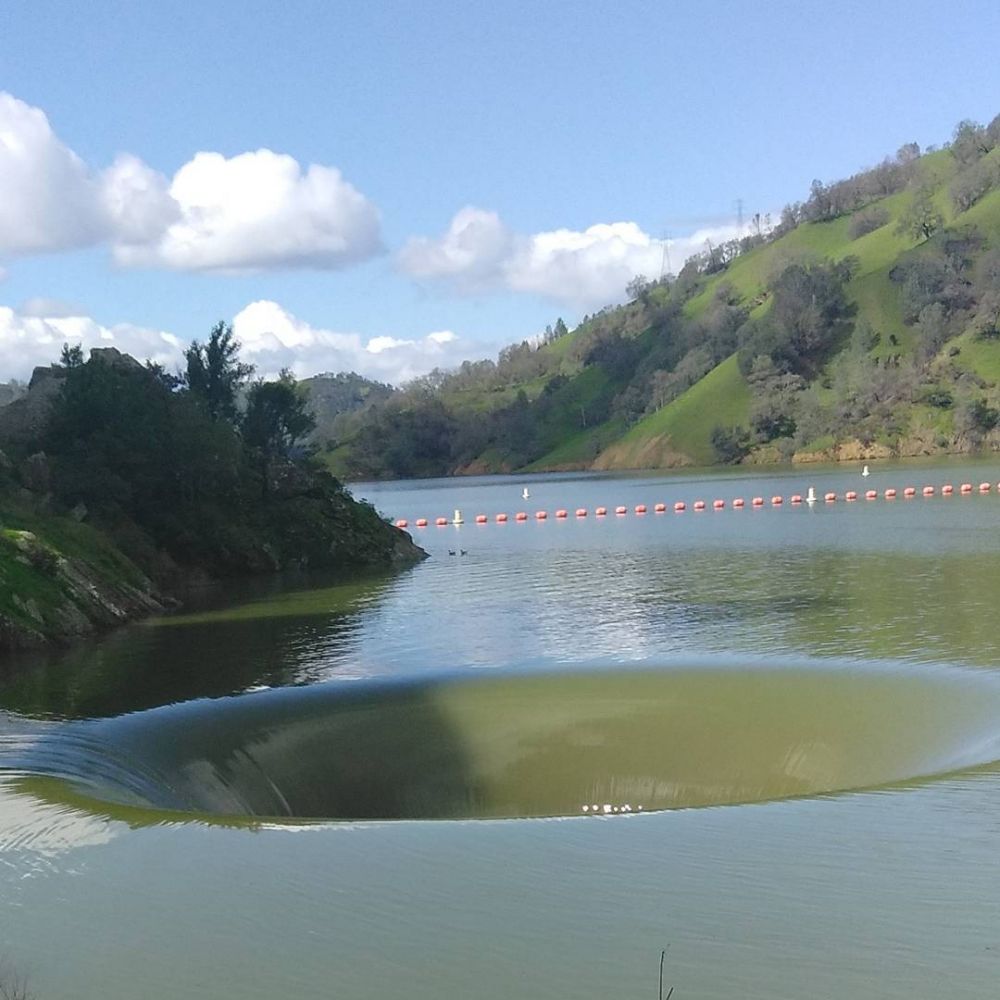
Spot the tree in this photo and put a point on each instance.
(730, 443)
(969, 142)
(921, 220)
(638, 288)
(71, 357)
(775, 400)
(277, 417)
(932, 330)
(214, 374)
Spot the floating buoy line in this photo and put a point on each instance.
(737, 503)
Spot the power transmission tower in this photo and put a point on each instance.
(665, 256)
(739, 216)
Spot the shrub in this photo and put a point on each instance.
(867, 221)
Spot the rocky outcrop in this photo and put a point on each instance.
(47, 597)
(24, 419)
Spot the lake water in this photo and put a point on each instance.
(765, 740)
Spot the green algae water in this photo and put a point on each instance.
(767, 740)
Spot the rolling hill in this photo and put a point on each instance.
(866, 322)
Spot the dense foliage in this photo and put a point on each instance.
(196, 470)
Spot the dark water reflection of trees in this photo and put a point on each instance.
(258, 633)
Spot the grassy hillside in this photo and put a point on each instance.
(680, 433)
(869, 318)
(60, 579)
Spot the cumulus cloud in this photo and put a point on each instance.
(471, 253)
(272, 338)
(50, 200)
(583, 269)
(254, 211)
(137, 202)
(29, 340)
(251, 212)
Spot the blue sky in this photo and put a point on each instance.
(480, 169)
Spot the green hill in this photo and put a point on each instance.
(867, 321)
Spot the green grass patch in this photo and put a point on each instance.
(684, 426)
(981, 357)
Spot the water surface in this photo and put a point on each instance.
(765, 738)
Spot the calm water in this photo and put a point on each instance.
(767, 739)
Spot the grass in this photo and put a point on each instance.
(680, 433)
(682, 430)
(981, 357)
(581, 448)
(29, 577)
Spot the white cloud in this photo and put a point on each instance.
(30, 340)
(584, 269)
(271, 337)
(137, 202)
(49, 200)
(471, 253)
(255, 211)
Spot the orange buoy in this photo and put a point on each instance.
(947, 490)
(966, 488)
(909, 492)
(401, 523)
(561, 513)
(640, 508)
(890, 494)
(601, 511)
(520, 516)
(718, 504)
(621, 510)
(777, 501)
(738, 502)
(540, 515)
(660, 508)
(850, 495)
(421, 522)
(699, 505)
(928, 491)
(984, 487)
(440, 521)
(680, 506)
(796, 498)
(581, 511)
(830, 497)
(757, 501)
(501, 518)
(871, 495)
(481, 519)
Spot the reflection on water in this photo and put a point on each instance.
(274, 639)
(893, 892)
(628, 598)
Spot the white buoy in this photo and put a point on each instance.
(811, 495)
(457, 519)
(524, 493)
(865, 472)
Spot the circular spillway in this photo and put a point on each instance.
(527, 745)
